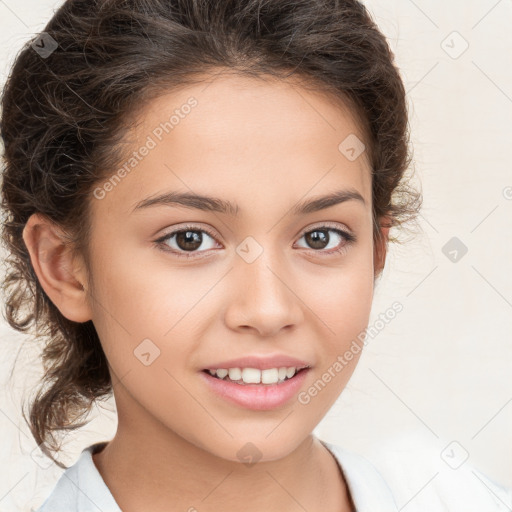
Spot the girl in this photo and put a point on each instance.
(199, 196)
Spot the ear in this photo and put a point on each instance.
(380, 249)
(62, 277)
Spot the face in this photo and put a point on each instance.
(178, 289)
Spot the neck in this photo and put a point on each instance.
(146, 470)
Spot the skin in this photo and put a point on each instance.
(265, 145)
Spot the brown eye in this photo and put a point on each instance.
(317, 239)
(188, 239)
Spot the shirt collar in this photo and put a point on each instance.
(367, 487)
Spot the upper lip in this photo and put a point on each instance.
(261, 362)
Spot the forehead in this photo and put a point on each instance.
(234, 136)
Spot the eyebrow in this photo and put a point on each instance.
(214, 204)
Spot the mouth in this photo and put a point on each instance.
(273, 393)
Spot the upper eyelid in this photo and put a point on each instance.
(208, 231)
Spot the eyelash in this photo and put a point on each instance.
(349, 239)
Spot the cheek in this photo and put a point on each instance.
(342, 298)
(340, 308)
(340, 345)
(150, 322)
(145, 293)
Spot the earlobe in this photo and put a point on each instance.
(56, 268)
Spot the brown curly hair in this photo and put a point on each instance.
(64, 115)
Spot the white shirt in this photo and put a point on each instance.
(82, 489)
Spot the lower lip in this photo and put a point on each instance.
(258, 397)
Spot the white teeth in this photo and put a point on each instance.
(290, 372)
(270, 376)
(251, 375)
(254, 375)
(235, 373)
(221, 373)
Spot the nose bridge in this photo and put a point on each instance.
(259, 266)
(265, 298)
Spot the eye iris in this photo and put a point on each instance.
(189, 240)
(314, 239)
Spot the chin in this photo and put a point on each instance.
(254, 447)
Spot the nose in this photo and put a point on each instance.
(265, 298)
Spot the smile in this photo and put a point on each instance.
(259, 395)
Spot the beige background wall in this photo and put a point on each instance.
(436, 380)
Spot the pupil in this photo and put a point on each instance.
(188, 240)
(318, 241)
